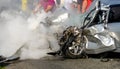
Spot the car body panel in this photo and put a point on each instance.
(101, 39)
(99, 33)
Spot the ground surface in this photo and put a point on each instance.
(58, 63)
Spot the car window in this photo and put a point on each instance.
(114, 15)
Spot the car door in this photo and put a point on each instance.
(114, 21)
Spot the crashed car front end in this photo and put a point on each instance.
(96, 35)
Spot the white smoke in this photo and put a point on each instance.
(23, 35)
(16, 34)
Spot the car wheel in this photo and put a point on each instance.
(74, 50)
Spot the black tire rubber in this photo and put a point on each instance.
(67, 53)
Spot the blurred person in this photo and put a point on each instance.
(83, 5)
(43, 10)
(47, 5)
(66, 4)
(79, 4)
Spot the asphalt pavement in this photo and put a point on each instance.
(60, 63)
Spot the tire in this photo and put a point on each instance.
(74, 51)
(72, 43)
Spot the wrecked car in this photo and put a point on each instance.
(99, 33)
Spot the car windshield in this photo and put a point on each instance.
(86, 17)
(113, 15)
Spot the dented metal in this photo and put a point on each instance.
(100, 32)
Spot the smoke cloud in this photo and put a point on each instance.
(17, 34)
(22, 34)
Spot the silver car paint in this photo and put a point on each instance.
(101, 39)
